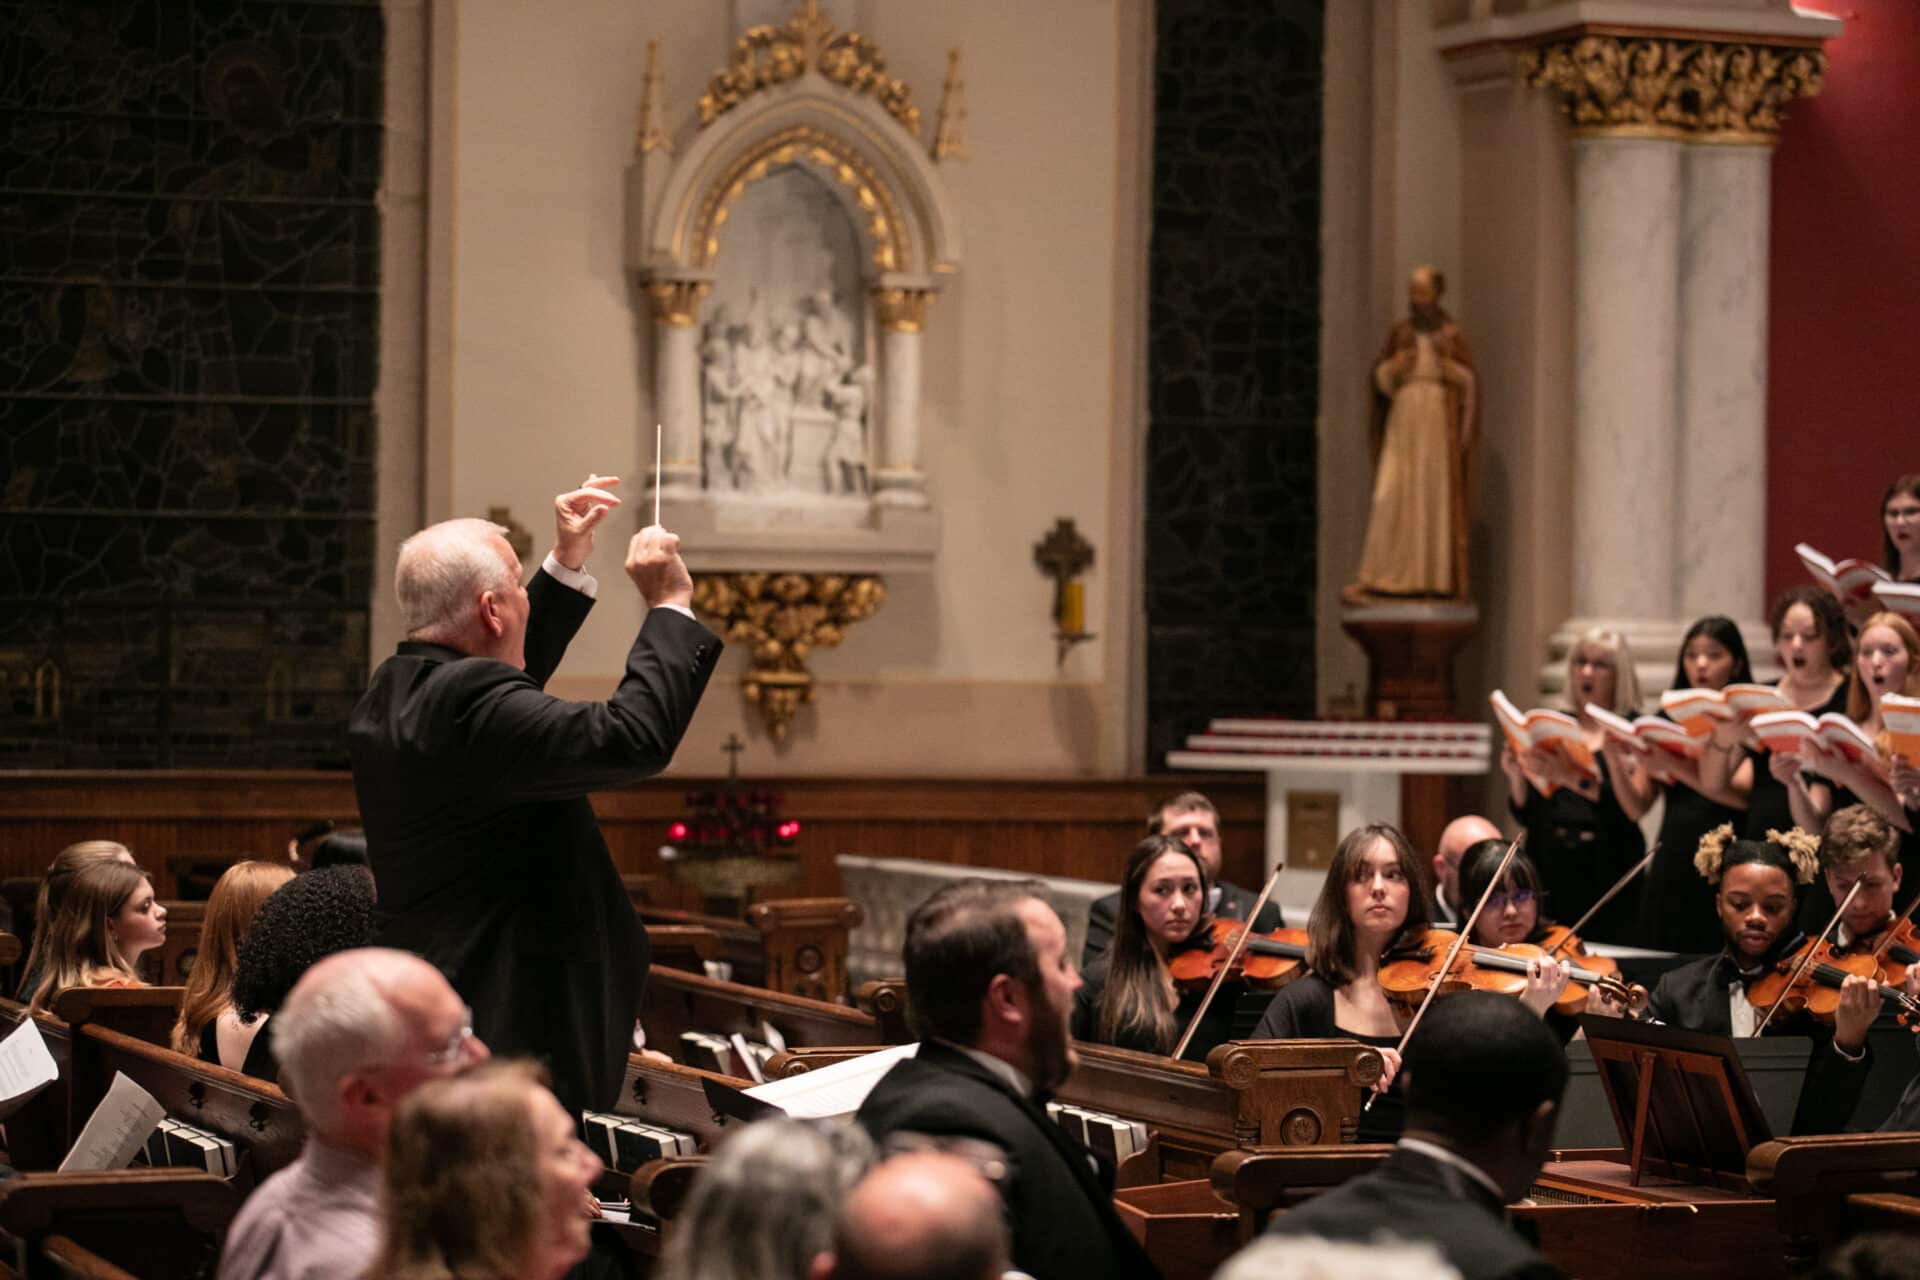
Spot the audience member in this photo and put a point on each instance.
(1484, 1079)
(990, 990)
(1191, 819)
(107, 919)
(1128, 998)
(486, 1179)
(924, 1215)
(764, 1206)
(359, 1032)
(1455, 839)
(1577, 834)
(308, 918)
(208, 1026)
(343, 847)
(53, 890)
(1312, 1258)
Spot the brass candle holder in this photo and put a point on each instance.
(1064, 556)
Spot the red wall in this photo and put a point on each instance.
(1843, 379)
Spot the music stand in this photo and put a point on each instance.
(1681, 1101)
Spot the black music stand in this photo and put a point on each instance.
(1681, 1101)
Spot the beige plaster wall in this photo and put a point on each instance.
(1031, 395)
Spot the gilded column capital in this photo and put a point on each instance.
(902, 310)
(1689, 90)
(677, 302)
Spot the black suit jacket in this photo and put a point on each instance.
(1694, 996)
(473, 787)
(1235, 903)
(1059, 1201)
(1419, 1199)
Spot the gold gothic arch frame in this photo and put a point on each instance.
(886, 235)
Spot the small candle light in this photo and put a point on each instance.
(1073, 608)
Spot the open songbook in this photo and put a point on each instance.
(1898, 597)
(1644, 733)
(1788, 731)
(1695, 710)
(1901, 715)
(1543, 731)
(1851, 581)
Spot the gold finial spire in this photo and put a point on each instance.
(815, 27)
(950, 126)
(653, 133)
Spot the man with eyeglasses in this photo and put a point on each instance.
(360, 1031)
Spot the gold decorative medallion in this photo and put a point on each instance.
(781, 618)
(1622, 86)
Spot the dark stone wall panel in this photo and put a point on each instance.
(189, 294)
(1233, 352)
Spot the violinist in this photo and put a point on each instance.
(1757, 883)
(1859, 847)
(1515, 913)
(1127, 997)
(1369, 901)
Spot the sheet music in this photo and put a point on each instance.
(25, 1067)
(832, 1091)
(117, 1128)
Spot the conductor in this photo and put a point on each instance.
(473, 782)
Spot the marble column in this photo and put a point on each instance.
(898, 479)
(676, 382)
(1722, 490)
(1626, 407)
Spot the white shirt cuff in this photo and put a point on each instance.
(579, 579)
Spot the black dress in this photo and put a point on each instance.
(1216, 1028)
(1676, 902)
(1303, 1010)
(1767, 805)
(1581, 847)
(260, 1063)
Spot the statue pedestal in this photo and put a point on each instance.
(1410, 647)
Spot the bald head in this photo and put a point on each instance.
(442, 571)
(1460, 835)
(927, 1215)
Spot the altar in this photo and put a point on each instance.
(1326, 777)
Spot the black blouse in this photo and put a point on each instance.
(1581, 847)
(1303, 1010)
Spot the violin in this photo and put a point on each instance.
(1268, 960)
(1409, 968)
(1811, 982)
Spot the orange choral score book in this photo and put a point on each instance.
(1786, 731)
(1901, 715)
(1644, 733)
(1542, 730)
(1697, 709)
(1898, 597)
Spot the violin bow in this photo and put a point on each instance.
(1453, 952)
(1893, 927)
(1239, 945)
(1607, 897)
(1799, 970)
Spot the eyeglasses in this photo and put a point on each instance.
(1518, 898)
(456, 1043)
(1903, 513)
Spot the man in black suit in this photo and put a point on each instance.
(473, 782)
(1190, 818)
(990, 990)
(1484, 1077)
(1456, 838)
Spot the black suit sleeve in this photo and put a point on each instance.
(1100, 918)
(1831, 1090)
(530, 746)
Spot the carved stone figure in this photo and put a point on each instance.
(1425, 429)
(845, 463)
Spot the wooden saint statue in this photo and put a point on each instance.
(1425, 426)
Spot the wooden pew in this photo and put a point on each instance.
(677, 1002)
(682, 946)
(159, 1224)
(1828, 1187)
(797, 946)
(146, 1013)
(37, 1133)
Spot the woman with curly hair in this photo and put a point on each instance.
(305, 920)
(53, 889)
(107, 919)
(1756, 887)
(486, 1179)
(208, 1025)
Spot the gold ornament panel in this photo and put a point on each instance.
(766, 56)
(780, 619)
(1699, 90)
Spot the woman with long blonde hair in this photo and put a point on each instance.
(209, 1027)
(53, 889)
(106, 921)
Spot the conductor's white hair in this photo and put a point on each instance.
(1315, 1258)
(441, 570)
(343, 1023)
